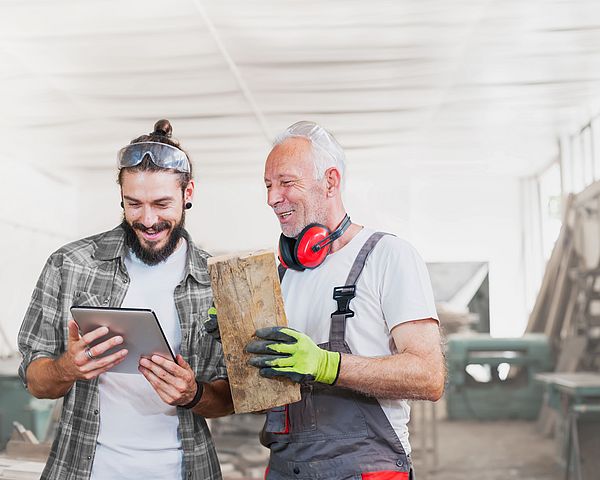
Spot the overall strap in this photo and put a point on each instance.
(361, 258)
(281, 272)
(343, 295)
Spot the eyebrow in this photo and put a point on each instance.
(158, 200)
(282, 175)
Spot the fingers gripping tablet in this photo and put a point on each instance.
(140, 329)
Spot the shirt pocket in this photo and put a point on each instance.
(195, 339)
(87, 299)
(205, 353)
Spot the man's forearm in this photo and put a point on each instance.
(216, 400)
(404, 375)
(47, 379)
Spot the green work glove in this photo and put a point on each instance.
(211, 325)
(285, 352)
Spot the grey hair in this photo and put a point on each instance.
(326, 151)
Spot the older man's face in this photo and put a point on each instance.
(292, 191)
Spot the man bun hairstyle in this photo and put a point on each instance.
(162, 133)
(163, 128)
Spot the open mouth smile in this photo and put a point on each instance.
(284, 215)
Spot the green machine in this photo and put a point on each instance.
(493, 378)
(16, 404)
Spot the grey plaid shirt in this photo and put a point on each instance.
(92, 272)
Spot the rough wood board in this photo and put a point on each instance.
(558, 302)
(570, 312)
(247, 296)
(538, 317)
(539, 312)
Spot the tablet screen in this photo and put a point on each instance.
(139, 327)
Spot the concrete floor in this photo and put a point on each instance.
(501, 450)
(467, 450)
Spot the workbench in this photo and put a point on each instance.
(576, 399)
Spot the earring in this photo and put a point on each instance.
(188, 205)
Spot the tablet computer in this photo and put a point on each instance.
(141, 331)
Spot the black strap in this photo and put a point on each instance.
(337, 330)
(197, 396)
(281, 271)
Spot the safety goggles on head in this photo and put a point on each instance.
(161, 154)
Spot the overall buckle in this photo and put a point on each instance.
(343, 295)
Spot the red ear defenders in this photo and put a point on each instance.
(311, 246)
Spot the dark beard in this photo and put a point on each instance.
(153, 257)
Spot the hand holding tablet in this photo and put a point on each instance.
(139, 329)
(79, 362)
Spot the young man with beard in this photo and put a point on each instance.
(363, 334)
(123, 426)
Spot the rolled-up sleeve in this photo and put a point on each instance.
(220, 371)
(41, 331)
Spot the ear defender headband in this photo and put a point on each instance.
(311, 247)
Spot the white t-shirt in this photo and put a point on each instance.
(138, 436)
(394, 288)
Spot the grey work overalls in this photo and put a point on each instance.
(334, 433)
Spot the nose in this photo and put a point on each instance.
(149, 216)
(274, 196)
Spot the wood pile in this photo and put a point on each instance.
(23, 444)
(555, 298)
(568, 302)
(567, 308)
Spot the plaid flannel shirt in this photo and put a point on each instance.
(92, 272)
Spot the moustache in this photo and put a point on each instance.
(157, 227)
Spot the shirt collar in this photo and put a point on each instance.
(111, 245)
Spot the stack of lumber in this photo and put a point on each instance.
(556, 299)
(568, 303)
(567, 308)
(24, 444)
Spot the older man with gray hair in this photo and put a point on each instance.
(363, 336)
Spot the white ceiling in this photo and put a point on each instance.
(417, 84)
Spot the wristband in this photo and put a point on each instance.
(337, 374)
(197, 397)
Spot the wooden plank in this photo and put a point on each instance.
(570, 312)
(558, 302)
(591, 193)
(540, 308)
(247, 296)
(20, 433)
(539, 313)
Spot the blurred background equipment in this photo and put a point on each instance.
(461, 291)
(16, 404)
(493, 378)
